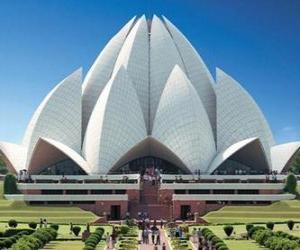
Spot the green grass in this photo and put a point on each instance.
(22, 212)
(63, 245)
(278, 211)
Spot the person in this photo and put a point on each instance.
(194, 235)
(113, 238)
(164, 246)
(158, 237)
(41, 222)
(161, 223)
(45, 222)
(71, 227)
(107, 240)
(153, 236)
(155, 247)
(145, 236)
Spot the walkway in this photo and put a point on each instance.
(151, 246)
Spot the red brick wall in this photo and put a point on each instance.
(104, 206)
(133, 195)
(270, 191)
(196, 206)
(165, 196)
(31, 191)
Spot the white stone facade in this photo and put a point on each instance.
(148, 93)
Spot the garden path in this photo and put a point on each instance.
(150, 246)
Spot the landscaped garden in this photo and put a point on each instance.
(21, 212)
(278, 211)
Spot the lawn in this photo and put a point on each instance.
(278, 211)
(22, 212)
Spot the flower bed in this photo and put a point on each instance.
(179, 237)
(127, 238)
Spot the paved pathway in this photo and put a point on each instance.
(159, 247)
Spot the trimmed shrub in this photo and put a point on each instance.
(36, 240)
(291, 184)
(54, 226)
(270, 225)
(249, 226)
(228, 229)
(92, 241)
(32, 225)
(14, 231)
(12, 223)
(290, 224)
(10, 184)
(76, 230)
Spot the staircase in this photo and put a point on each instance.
(149, 203)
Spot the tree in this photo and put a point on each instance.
(295, 166)
(228, 229)
(270, 225)
(3, 169)
(10, 184)
(291, 184)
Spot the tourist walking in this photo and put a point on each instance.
(158, 237)
(153, 236)
(164, 246)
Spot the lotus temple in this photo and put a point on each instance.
(149, 108)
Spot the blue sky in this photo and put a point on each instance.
(257, 42)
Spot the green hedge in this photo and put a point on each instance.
(92, 241)
(217, 242)
(274, 240)
(10, 184)
(35, 241)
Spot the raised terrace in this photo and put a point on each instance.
(174, 195)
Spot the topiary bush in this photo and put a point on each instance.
(10, 184)
(32, 225)
(249, 226)
(228, 229)
(54, 226)
(12, 223)
(290, 224)
(270, 225)
(291, 184)
(76, 230)
(36, 240)
(92, 241)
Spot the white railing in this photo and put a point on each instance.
(222, 186)
(78, 186)
(86, 177)
(232, 197)
(220, 177)
(67, 197)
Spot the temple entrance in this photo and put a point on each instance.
(115, 212)
(185, 210)
(149, 162)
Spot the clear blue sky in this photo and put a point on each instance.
(257, 42)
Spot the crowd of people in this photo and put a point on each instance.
(151, 234)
